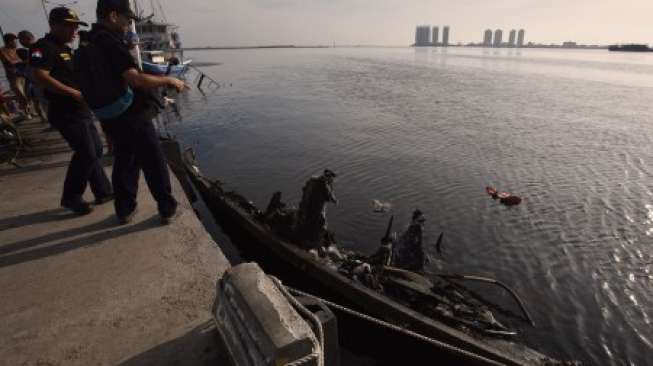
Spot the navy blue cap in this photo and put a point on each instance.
(62, 14)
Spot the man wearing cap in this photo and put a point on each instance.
(52, 65)
(121, 97)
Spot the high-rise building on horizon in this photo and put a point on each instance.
(423, 35)
(445, 36)
(436, 36)
(498, 38)
(520, 38)
(511, 38)
(487, 38)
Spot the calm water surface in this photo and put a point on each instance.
(569, 131)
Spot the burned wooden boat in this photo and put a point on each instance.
(437, 309)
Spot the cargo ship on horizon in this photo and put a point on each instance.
(630, 48)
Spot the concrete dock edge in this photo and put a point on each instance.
(86, 291)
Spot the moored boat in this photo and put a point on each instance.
(482, 340)
(159, 42)
(154, 63)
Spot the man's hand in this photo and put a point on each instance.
(43, 78)
(77, 95)
(178, 84)
(139, 80)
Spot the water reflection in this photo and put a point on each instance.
(570, 131)
(649, 215)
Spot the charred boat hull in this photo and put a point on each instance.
(302, 269)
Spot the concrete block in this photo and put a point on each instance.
(256, 321)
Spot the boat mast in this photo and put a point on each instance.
(45, 10)
(163, 14)
(152, 7)
(137, 48)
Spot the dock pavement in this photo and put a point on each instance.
(83, 290)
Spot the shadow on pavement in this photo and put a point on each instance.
(104, 235)
(200, 346)
(40, 217)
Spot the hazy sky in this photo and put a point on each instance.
(378, 22)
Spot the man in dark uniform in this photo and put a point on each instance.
(121, 97)
(52, 63)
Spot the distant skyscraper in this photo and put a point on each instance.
(520, 38)
(498, 38)
(436, 36)
(487, 38)
(445, 36)
(511, 38)
(423, 35)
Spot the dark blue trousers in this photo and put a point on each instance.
(85, 167)
(136, 147)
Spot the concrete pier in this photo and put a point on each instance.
(86, 291)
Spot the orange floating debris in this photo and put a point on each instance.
(505, 198)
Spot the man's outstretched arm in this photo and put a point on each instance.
(139, 80)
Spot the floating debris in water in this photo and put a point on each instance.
(438, 244)
(505, 198)
(380, 207)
